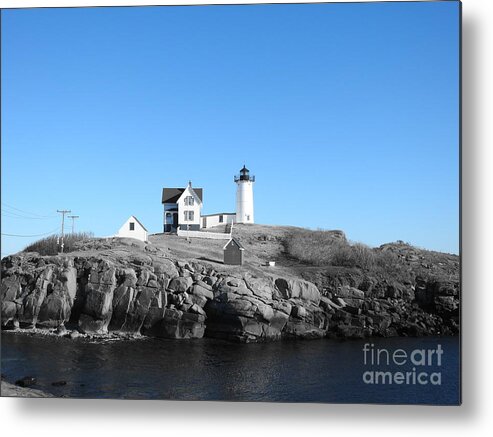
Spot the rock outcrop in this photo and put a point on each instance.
(146, 292)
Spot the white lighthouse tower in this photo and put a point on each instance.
(244, 196)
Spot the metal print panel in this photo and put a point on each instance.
(232, 203)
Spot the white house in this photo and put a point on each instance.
(182, 208)
(222, 218)
(133, 228)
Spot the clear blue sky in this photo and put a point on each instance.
(348, 114)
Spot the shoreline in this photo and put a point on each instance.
(116, 336)
(13, 391)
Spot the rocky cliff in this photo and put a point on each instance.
(127, 288)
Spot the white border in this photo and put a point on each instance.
(65, 3)
(130, 418)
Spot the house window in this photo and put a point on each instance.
(132, 226)
(188, 216)
(221, 219)
(189, 201)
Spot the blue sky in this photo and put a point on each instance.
(348, 115)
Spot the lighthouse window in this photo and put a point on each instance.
(248, 218)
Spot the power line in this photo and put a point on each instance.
(19, 216)
(26, 212)
(37, 235)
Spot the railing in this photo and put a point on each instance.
(201, 234)
(250, 178)
(226, 235)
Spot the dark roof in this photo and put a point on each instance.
(244, 169)
(171, 195)
(138, 221)
(234, 240)
(219, 213)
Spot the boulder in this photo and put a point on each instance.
(9, 311)
(328, 305)
(259, 286)
(10, 288)
(296, 328)
(356, 303)
(298, 311)
(33, 301)
(197, 309)
(61, 330)
(234, 286)
(54, 311)
(199, 300)
(200, 290)
(266, 312)
(27, 381)
(203, 284)
(282, 306)
(174, 325)
(297, 288)
(121, 304)
(153, 318)
(180, 284)
(444, 304)
(99, 301)
(98, 305)
(69, 279)
(144, 277)
(194, 317)
(138, 310)
(209, 280)
(350, 292)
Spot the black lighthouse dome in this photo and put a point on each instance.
(245, 175)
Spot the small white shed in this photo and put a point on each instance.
(133, 228)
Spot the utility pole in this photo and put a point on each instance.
(63, 212)
(73, 217)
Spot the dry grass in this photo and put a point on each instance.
(50, 246)
(322, 248)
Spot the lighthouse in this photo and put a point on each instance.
(244, 196)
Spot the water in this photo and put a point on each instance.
(207, 369)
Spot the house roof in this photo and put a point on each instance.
(235, 241)
(138, 221)
(218, 213)
(171, 195)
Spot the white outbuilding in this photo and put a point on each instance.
(133, 228)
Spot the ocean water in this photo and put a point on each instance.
(208, 369)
